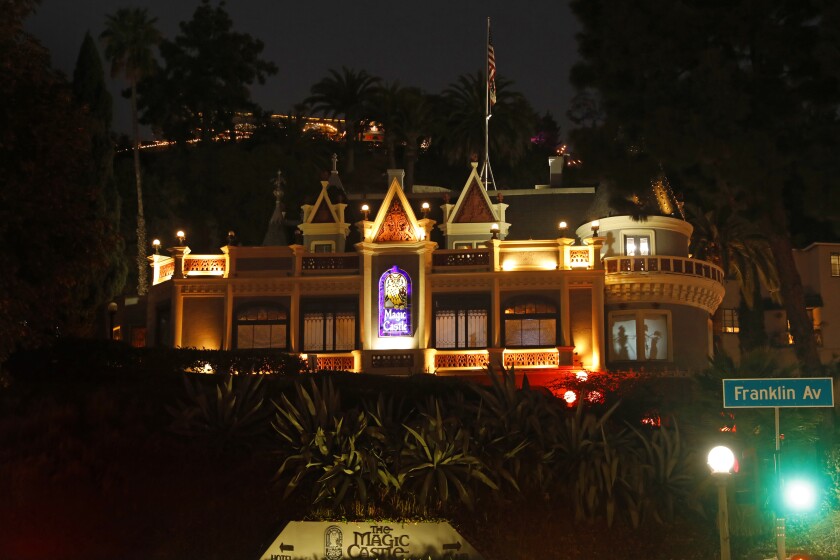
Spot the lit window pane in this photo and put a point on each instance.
(623, 338)
(513, 334)
(548, 332)
(477, 328)
(245, 336)
(656, 337)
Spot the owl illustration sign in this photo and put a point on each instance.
(395, 303)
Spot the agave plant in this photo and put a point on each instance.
(336, 449)
(594, 464)
(437, 463)
(667, 469)
(229, 413)
(515, 429)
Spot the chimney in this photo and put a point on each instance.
(555, 171)
(399, 174)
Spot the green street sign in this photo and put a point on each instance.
(792, 392)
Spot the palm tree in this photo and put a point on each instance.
(511, 125)
(346, 94)
(726, 238)
(386, 101)
(407, 116)
(417, 121)
(129, 38)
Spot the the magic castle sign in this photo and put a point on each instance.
(328, 540)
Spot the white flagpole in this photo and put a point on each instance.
(486, 171)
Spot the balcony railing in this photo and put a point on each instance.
(668, 265)
(330, 262)
(461, 258)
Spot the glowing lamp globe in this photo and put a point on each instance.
(800, 495)
(721, 459)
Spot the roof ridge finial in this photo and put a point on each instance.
(278, 183)
(334, 159)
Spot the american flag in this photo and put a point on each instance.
(491, 67)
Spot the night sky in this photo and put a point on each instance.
(428, 46)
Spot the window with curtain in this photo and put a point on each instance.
(261, 326)
(329, 326)
(530, 322)
(461, 322)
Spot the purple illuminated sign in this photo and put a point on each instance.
(395, 303)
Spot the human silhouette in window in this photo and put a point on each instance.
(621, 343)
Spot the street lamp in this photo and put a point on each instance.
(721, 460)
(112, 313)
(425, 208)
(365, 211)
(494, 231)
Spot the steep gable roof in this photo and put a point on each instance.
(395, 220)
(473, 205)
(323, 211)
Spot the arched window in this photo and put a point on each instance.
(395, 303)
(529, 322)
(261, 326)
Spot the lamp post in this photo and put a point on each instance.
(721, 460)
(365, 211)
(494, 231)
(112, 313)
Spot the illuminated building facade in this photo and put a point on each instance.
(490, 280)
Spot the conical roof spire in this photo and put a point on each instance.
(276, 233)
(335, 180)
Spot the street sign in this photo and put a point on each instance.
(338, 540)
(778, 392)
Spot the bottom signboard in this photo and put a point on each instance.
(334, 540)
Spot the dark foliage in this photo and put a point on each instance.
(204, 81)
(738, 100)
(55, 234)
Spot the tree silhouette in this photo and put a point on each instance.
(511, 125)
(205, 78)
(407, 115)
(130, 37)
(736, 95)
(92, 95)
(55, 237)
(346, 94)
